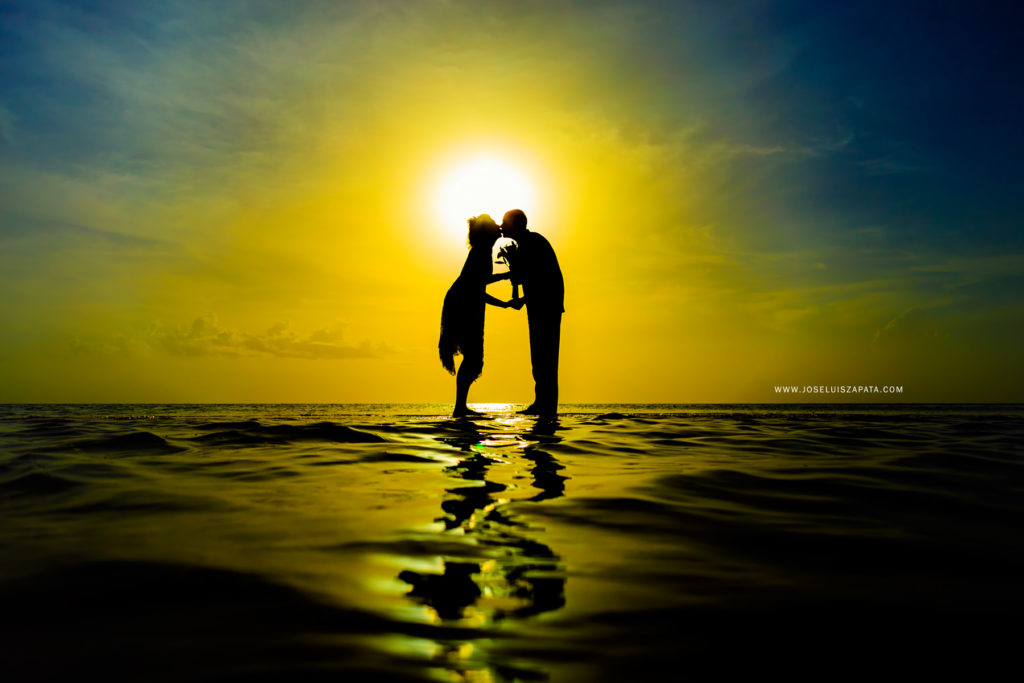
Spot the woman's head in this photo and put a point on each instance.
(483, 230)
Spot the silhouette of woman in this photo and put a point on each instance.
(462, 318)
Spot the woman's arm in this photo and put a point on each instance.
(496, 302)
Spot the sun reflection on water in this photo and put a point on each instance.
(506, 574)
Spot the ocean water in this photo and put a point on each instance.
(624, 542)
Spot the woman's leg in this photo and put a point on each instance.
(469, 370)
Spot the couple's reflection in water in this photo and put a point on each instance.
(521, 577)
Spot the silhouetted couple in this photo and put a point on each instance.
(532, 264)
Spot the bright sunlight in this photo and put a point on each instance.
(481, 185)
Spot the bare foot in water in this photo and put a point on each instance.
(465, 411)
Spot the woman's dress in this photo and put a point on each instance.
(462, 317)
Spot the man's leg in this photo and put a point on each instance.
(555, 340)
(536, 360)
(545, 333)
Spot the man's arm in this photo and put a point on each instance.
(496, 302)
(498, 277)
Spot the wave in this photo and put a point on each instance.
(128, 442)
(167, 621)
(277, 542)
(251, 433)
(38, 484)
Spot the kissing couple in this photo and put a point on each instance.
(532, 264)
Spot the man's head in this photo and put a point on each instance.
(513, 224)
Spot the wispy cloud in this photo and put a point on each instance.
(7, 123)
(206, 337)
(976, 267)
(59, 233)
(888, 165)
(914, 325)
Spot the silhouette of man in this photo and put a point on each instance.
(544, 296)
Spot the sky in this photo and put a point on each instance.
(246, 201)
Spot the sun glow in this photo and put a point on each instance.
(481, 185)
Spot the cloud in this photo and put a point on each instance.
(914, 326)
(205, 337)
(887, 165)
(7, 124)
(68, 234)
(973, 268)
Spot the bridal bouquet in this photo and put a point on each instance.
(508, 255)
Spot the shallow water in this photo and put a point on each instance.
(391, 543)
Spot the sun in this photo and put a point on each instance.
(484, 184)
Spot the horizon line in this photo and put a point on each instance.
(508, 403)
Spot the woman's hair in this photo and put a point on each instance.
(483, 230)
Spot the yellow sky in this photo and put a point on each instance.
(263, 226)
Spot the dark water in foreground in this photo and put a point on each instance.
(389, 543)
